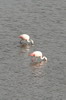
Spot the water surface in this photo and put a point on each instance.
(45, 22)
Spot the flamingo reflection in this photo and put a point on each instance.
(38, 64)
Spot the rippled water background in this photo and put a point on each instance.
(45, 22)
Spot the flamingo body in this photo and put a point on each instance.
(26, 37)
(38, 54)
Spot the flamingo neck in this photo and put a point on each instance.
(44, 58)
(31, 41)
(28, 40)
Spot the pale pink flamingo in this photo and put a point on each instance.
(27, 38)
(38, 54)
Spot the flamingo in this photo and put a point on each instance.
(27, 38)
(38, 54)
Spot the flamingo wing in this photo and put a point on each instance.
(24, 36)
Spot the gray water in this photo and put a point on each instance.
(45, 22)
